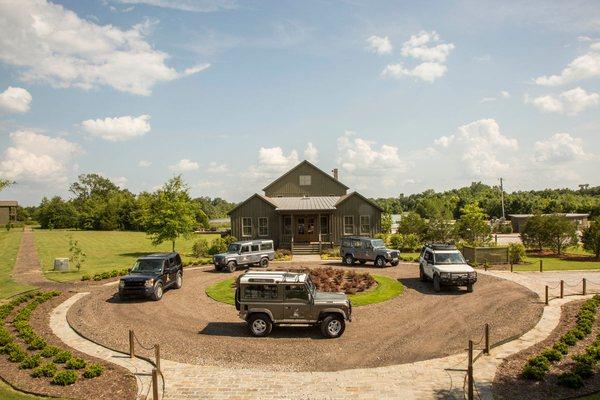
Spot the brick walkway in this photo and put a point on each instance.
(441, 378)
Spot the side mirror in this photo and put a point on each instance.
(129, 269)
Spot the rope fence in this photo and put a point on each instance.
(156, 371)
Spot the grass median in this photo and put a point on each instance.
(9, 247)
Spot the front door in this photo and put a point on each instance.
(296, 302)
(306, 229)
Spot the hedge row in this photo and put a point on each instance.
(538, 366)
(39, 350)
(106, 275)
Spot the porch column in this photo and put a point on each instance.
(319, 225)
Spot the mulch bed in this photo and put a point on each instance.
(330, 279)
(508, 383)
(114, 383)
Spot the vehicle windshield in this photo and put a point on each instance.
(233, 248)
(449, 258)
(147, 266)
(311, 286)
(377, 243)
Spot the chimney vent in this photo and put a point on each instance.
(335, 174)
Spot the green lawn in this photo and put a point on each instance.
(7, 393)
(555, 264)
(387, 289)
(9, 247)
(105, 250)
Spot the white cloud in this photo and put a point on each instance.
(15, 100)
(570, 102)
(582, 67)
(421, 46)
(311, 153)
(560, 148)
(361, 156)
(380, 44)
(216, 168)
(188, 5)
(502, 95)
(479, 148)
(274, 158)
(184, 165)
(33, 157)
(120, 181)
(118, 128)
(49, 43)
(144, 163)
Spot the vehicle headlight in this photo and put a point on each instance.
(388, 254)
(445, 274)
(473, 274)
(150, 283)
(121, 284)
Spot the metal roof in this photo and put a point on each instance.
(305, 203)
(8, 203)
(568, 215)
(254, 276)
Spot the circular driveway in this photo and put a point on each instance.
(417, 325)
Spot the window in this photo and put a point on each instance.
(287, 225)
(357, 244)
(245, 249)
(266, 246)
(324, 225)
(260, 292)
(428, 257)
(296, 292)
(263, 226)
(304, 180)
(365, 224)
(346, 243)
(246, 226)
(254, 248)
(348, 224)
(311, 226)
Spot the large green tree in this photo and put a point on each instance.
(56, 213)
(534, 234)
(473, 226)
(591, 237)
(171, 213)
(411, 222)
(561, 232)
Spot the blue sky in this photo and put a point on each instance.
(400, 96)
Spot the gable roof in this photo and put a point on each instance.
(8, 203)
(305, 203)
(347, 196)
(305, 162)
(263, 198)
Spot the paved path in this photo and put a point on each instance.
(27, 268)
(306, 258)
(440, 378)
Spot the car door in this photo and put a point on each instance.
(296, 302)
(255, 256)
(369, 251)
(245, 255)
(428, 267)
(358, 248)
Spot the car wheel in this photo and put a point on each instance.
(158, 292)
(264, 262)
(436, 283)
(422, 275)
(362, 262)
(348, 259)
(333, 326)
(260, 325)
(178, 281)
(380, 262)
(470, 288)
(231, 266)
(395, 263)
(218, 268)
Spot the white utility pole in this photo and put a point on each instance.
(502, 198)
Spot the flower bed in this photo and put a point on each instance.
(330, 279)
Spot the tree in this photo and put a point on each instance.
(591, 237)
(386, 222)
(472, 225)
(411, 222)
(171, 213)
(4, 183)
(561, 232)
(438, 230)
(56, 213)
(534, 234)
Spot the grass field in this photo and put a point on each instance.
(105, 250)
(555, 264)
(387, 288)
(9, 247)
(7, 393)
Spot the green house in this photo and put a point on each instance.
(305, 208)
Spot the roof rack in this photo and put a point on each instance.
(441, 246)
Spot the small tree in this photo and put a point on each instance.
(472, 225)
(200, 248)
(561, 232)
(438, 230)
(171, 213)
(77, 255)
(411, 222)
(386, 222)
(534, 234)
(516, 253)
(591, 237)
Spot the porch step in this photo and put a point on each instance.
(306, 248)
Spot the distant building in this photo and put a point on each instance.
(8, 211)
(518, 221)
(305, 206)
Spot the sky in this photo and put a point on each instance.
(400, 96)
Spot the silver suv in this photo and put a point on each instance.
(363, 249)
(445, 265)
(246, 253)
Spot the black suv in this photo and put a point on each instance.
(151, 275)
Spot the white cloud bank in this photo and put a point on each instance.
(583, 67)
(380, 44)
(33, 157)
(49, 43)
(560, 148)
(118, 128)
(15, 100)
(188, 5)
(570, 102)
(311, 153)
(185, 165)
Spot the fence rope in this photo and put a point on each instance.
(140, 343)
(575, 284)
(593, 283)
(554, 287)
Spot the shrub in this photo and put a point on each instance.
(31, 361)
(124, 271)
(65, 378)
(533, 373)
(561, 347)
(105, 275)
(396, 241)
(17, 355)
(217, 246)
(593, 351)
(5, 337)
(570, 380)
(200, 248)
(85, 278)
(114, 273)
(569, 339)
(75, 363)
(97, 277)
(62, 357)
(516, 253)
(37, 344)
(584, 365)
(283, 254)
(50, 351)
(578, 333)
(48, 370)
(93, 370)
(552, 354)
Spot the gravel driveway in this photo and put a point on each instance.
(417, 325)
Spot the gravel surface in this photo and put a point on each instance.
(508, 384)
(417, 325)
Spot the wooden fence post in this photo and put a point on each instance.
(511, 267)
(155, 384)
(584, 287)
(541, 265)
(470, 372)
(131, 345)
(547, 295)
(157, 355)
(487, 339)
(562, 289)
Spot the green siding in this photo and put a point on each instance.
(356, 207)
(322, 184)
(254, 208)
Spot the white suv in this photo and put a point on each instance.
(445, 265)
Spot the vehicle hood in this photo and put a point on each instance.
(137, 277)
(386, 250)
(224, 255)
(455, 268)
(328, 297)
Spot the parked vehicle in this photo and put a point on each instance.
(267, 298)
(363, 249)
(151, 275)
(245, 253)
(444, 265)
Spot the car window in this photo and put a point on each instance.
(266, 246)
(245, 249)
(172, 261)
(166, 263)
(259, 292)
(429, 257)
(357, 244)
(254, 247)
(296, 292)
(345, 243)
(178, 259)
